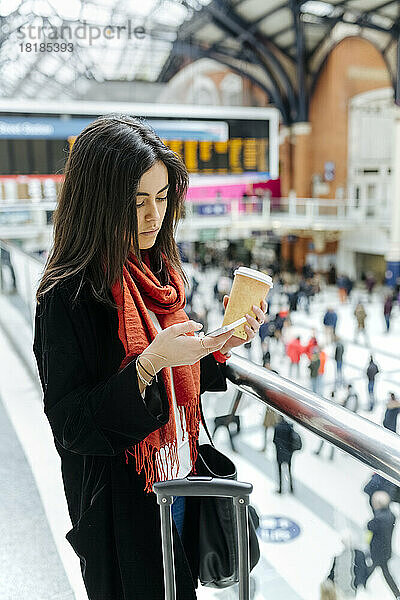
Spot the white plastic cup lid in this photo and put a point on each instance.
(255, 275)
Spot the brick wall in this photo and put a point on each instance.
(353, 67)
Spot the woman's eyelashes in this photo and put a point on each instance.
(161, 199)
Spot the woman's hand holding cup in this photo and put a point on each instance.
(251, 327)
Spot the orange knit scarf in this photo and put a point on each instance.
(136, 331)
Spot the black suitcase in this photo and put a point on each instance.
(204, 486)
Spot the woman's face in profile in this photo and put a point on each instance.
(151, 203)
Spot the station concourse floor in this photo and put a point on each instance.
(37, 562)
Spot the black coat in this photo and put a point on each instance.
(95, 413)
(283, 440)
(382, 529)
(372, 371)
(377, 483)
(390, 418)
(339, 351)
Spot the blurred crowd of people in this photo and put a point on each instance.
(353, 566)
(307, 358)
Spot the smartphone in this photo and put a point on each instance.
(226, 328)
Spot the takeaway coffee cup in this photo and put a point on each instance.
(249, 287)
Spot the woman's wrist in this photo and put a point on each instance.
(143, 378)
(152, 361)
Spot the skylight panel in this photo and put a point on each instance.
(381, 21)
(49, 64)
(95, 14)
(65, 74)
(170, 13)
(42, 8)
(115, 55)
(317, 8)
(67, 10)
(7, 7)
(140, 8)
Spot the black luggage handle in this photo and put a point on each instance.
(202, 486)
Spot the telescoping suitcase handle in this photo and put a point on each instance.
(204, 486)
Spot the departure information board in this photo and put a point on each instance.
(210, 140)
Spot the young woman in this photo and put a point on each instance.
(121, 368)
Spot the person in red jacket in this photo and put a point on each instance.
(294, 351)
(312, 343)
(321, 370)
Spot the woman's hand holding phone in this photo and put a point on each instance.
(177, 348)
(251, 328)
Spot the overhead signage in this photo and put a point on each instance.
(63, 128)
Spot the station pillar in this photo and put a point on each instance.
(393, 255)
(301, 139)
(285, 159)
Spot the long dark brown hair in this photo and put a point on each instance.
(95, 221)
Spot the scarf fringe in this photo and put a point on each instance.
(161, 468)
(156, 467)
(182, 418)
(193, 417)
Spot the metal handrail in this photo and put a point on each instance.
(362, 439)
